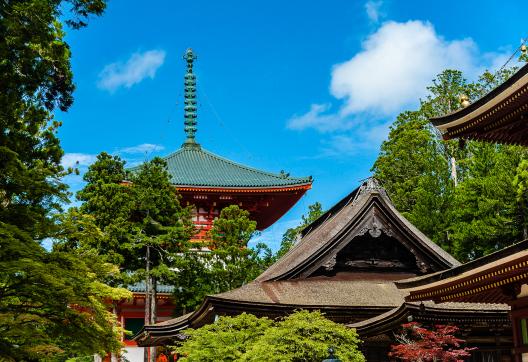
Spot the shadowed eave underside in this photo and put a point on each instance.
(500, 116)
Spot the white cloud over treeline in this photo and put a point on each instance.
(388, 75)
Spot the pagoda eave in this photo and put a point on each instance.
(264, 190)
(265, 204)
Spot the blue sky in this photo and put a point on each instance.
(309, 87)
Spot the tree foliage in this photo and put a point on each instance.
(232, 228)
(228, 339)
(461, 194)
(35, 79)
(302, 336)
(292, 235)
(422, 345)
(228, 264)
(52, 303)
(142, 213)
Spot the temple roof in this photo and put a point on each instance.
(191, 165)
(489, 279)
(346, 264)
(140, 287)
(319, 292)
(499, 116)
(366, 209)
(443, 313)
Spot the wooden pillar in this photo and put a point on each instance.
(519, 312)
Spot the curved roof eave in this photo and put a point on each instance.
(498, 94)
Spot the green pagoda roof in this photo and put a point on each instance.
(193, 166)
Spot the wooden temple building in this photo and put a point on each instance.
(501, 277)
(348, 264)
(209, 183)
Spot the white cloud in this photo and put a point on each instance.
(318, 117)
(77, 159)
(396, 64)
(138, 67)
(388, 75)
(373, 9)
(143, 148)
(363, 138)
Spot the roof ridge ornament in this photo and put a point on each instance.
(190, 109)
(370, 185)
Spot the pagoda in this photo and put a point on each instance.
(347, 265)
(209, 182)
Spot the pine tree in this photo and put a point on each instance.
(460, 194)
(51, 302)
(144, 227)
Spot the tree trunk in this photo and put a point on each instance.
(148, 295)
(454, 175)
(153, 312)
(114, 357)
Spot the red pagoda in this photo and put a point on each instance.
(209, 183)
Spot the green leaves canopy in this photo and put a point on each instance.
(51, 303)
(302, 336)
(143, 211)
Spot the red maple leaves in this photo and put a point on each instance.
(419, 344)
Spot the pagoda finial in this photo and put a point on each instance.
(190, 100)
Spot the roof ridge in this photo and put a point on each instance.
(321, 239)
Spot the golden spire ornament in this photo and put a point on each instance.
(464, 100)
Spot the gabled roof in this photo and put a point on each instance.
(191, 165)
(354, 294)
(319, 292)
(359, 212)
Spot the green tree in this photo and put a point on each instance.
(228, 264)
(51, 302)
(227, 339)
(232, 228)
(415, 174)
(35, 79)
(109, 203)
(302, 336)
(520, 183)
(291, 235)
(460, 194)
(144, 227)
(160, 228)
(484, 213)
